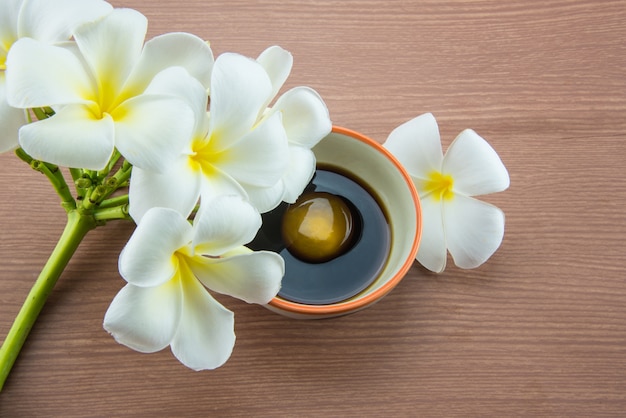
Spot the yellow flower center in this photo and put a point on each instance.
(439, 186)
(106, 96)
(5, 45)
(203, 156)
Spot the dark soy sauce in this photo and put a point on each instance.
(351, 271)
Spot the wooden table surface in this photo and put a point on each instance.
(539, 330)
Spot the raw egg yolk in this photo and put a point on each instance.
(318, 227)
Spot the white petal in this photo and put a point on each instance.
(224, 223)
(42, 75)
(11, 119)
(299, 173)
(473, 229)
(71, 138)
(148, 257)
(173, 49)
(305, 116)
(416, 144)
(9, 15)
(432, 252)
(239, 89)
(265, 199)
(205, 337)
(261, 157)
(475, 166)
(52, 21)
(254, 277)
(152, 130)
(145, 318)
(215, 183)
(177, 188)
(176, 81)
(111, 46)
(277, 62)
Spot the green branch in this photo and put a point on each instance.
(111, 213)
(78, 225)
(54, 175)
(114, 201)
(93, 206)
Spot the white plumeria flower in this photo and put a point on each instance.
(229, 151)
(470, 229)
(168, 264)
(306, 120)
(96, 86)
(48, 21)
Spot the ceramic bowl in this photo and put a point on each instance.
(370, 163)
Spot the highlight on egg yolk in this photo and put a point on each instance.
(318, 227)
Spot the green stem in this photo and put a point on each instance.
(58, 182)
(112, 161)
(76, 173)
(78, 225)
(111, 213)
(40, 113)
(114, 201)
(55, 176)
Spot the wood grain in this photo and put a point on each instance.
(539, 330)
